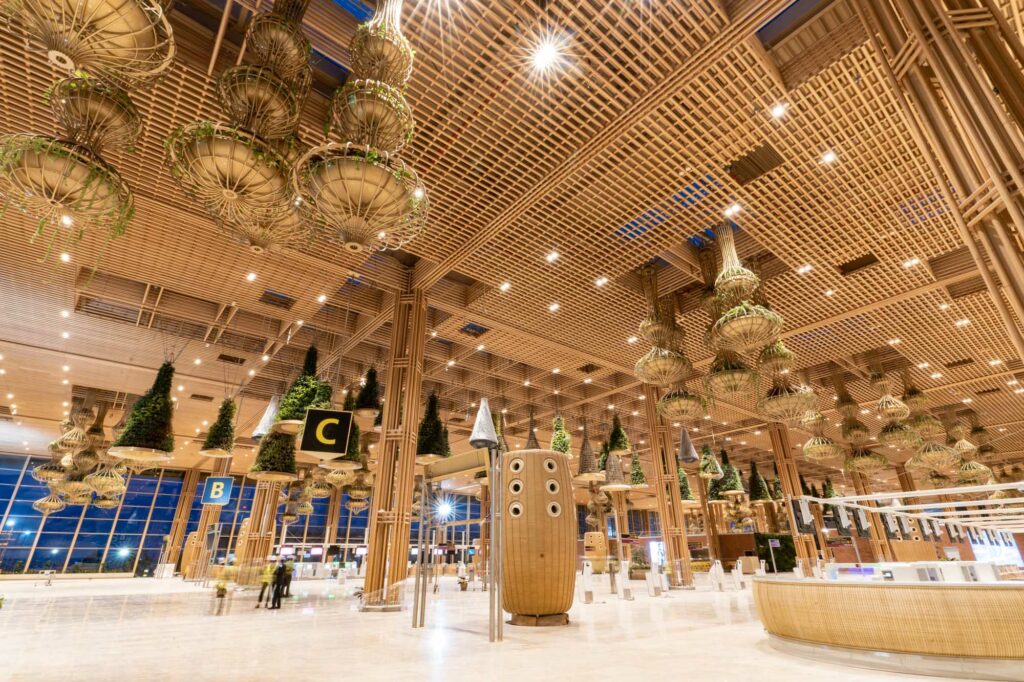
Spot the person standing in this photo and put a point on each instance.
(289, 569)
(278, 585)
(266, 583)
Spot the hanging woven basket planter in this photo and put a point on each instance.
(371, 201)
(744, 327)
(129, 42)
(820, 447)
(854, 431)
(934, 455)
(106, 502)
(864, 462)
(915, 399)
(380, 52)
(51, 504)
(892, 408)
(373, 114)
(927, 426)
(729, 375)
(973, 471)
(50, 472)
(95, 114)
(899, 435)
(279, 43)
(255, 99)
(663, 367)
(787, 403)
(775, 359)
(680, 404)
(965, 448)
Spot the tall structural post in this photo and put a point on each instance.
(879, 538)
(666, 492)
(181, 514)
(907, 485)
(790, 477)
(391, 510)
(954, 67)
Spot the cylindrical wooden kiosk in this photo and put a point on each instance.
(538, 538)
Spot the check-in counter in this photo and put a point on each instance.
(976, 621)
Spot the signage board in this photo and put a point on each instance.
(217, 490)
(326, 432)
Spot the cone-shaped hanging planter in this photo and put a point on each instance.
(484, 434)
(759, 492)
(267, 420)
(613, 474)
(50, 504)
(710, 469)
(148, 434)
(637, 477)
(220, 439)
(899, 435)
(686, 453)
(730, 485)
(775, 359)
(589, 470)
(305, 392)
(680, 404)
(933, 455)
(685, 491)
(733, 281)
(561, 441)
(821, 447)
(973, 471)
(730, 375)
(368, 400)
(663, 367)
(854, 431)
(430, 445)
(275, 459)
(618, 441)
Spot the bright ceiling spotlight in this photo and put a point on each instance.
(549, 54)
(443, 509)
(779, 110)
(829, 157)
(65, 258)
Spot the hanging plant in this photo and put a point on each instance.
(305, 393)
(854, 431)
(734, 280)
(729, 375)
(275, 459)
(430, 440)
(618, 441)
(561, 441)
(743, 327)
(927, 426)
(663, 367)
(637, 478)
(775, 359)
(531, 434)
(710, 469)
(220, 439)
(864, 461)
(685, 491)
(934, 455)
(680, 404)
(820, 446)
(368, 400)
(730, 485)
(787, 403)
(899, 435)
(777, 492)
(759, 491)
(602, 458)
(148, 433)
(973, 471)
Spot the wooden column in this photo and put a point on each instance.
(879, 538)
(790, 477)
(259, 539)
(710, 524)
(666, 492)
(181, 514)
(953, 66)
(907, 484)
(333, 517)
(210, 514)
(391, 510)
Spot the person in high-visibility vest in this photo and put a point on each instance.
(266, 579)
(289, 569)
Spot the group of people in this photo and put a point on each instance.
(276, 583)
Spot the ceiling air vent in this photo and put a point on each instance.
(959, 363)
(230, 359)
(588, 368)
(278, 300)
(202, 398)
(754, 164)
(857, 264)
(473, 329)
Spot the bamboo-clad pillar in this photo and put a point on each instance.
(391, 510)
(666, 492)
(879, 538)
(181, 514)
(210, 514)
(954, 66)
(790, 477)
(907, 485)
(259, 540)
(710, 524)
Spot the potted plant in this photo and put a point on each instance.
(305, 392)
(759, 492)
(220, 439)
(430, 442)
(561, 441)
(618, 441)
(637, 478)
(685, 491)
(368, 400)
(147, 434)
(710, 469)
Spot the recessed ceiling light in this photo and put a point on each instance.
(707, 416)
(505, 286)
(10, 395)
(634, 413)
(611, 406)
(480, 347)
(963, 323)
(995, 361)
(552, 256)
(828, 157)
(1018, 391)
(1012, 382)
(265, 358)
(587, 380)
(779, 110)
(548, 54)
(911, 262)
(251, 277)
(757, 433)
(943, 306)
(197, 361)
(732, 210)
(922, 365)
(64, 404)
(418, 193)
(322, 298)
(600, 281)
(451, 363)
(804, 269)
(526, 383)
(504, 410)
(936, 375)
(206, 423)
(556, 391)
(967, 400)
(65, 313)
(299, 323)
(829, 292)
(433, 334)
(556, 370)
(252, 372)
(894, 342)
(632, 339)
(65, 257)
(65, 335)
(66, 368)
(554, 307)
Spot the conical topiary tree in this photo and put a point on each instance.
(305, 392)
(828, 490)
(447, 444)
(561, 441)
(602, 456)
(685, 491)
(276, 454)
(731, 481)
(369, 395)
(777, 492)
(618, 441)
(430, 440)
(710, 469)
(759, 491)
(220, 439)
(148, 426)
(636, 471)
(804, 489)
(531, 435)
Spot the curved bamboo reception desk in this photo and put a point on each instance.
(978, 621)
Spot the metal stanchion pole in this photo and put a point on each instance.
(499, 535)
(492, 550)
(425, 520)
(419, 562)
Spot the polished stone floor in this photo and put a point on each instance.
(150, 629)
